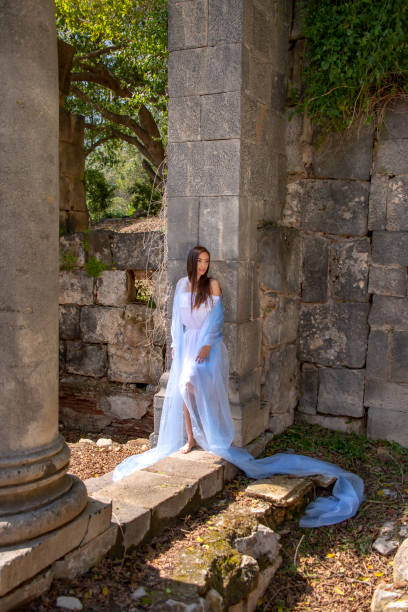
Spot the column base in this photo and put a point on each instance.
(26, 569)
(22, 526)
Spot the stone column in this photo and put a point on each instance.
(36, 494)
(224, 163)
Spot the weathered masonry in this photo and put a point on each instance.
(111, 343)
(310, 245)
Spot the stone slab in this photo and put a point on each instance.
(209, 476)
(205, 70)
(388, 280)
(219, 227)
(75, 287)
(141, 251)
(395, 120)
(86, 359)
(377, 205)
(386, 396)
(390, 248)
(335, 423)
(21, 562)
(220, 116)
(330, 206)
(278, 423)
(182, 225)
(100, 245)
(224, 21)
(184, 119)
(309, 389)
(389, 313)
(128, 364)
(166, 496)
(341, 392)
(112, 288)
(251, 422)
(99, 519)
(315, 269)
(26, 592)
(86, 556)
(280, 376)
(348, 265)
(392, 157)
(397, 204)
(69, 322)
(133, 526)
(100, 482)
(207, 168)
(400, 567)
(102, 324)
(399, 357)
(187, 24)
(279, 256)
(345, 156)
(377, 354)
(388, 424)
(334, 334)
(280, 490)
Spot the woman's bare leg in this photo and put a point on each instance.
(190, 444)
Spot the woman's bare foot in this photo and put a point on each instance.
(188, 446)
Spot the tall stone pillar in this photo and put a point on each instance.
(224, 163)
(36, 494)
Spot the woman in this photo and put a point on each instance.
(196, 404)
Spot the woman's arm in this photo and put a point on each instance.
(204, 353)
(215, 287)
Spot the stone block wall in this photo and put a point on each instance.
(386, 393)
(111, 346)
(74, 215)
(226, 172)
(347, 204)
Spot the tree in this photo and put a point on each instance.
(118, 73)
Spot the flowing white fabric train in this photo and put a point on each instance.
(203, 387)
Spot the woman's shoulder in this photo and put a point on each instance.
(182, 281)
(215, 287)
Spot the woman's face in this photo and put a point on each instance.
(203, 262)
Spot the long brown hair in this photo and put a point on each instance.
(200, 288)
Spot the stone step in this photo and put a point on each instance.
(231, 564)
(148, 500)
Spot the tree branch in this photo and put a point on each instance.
(148, 144)
(96, 144)
(97, 53)
(102, 76)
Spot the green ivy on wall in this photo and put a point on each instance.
(356, 60)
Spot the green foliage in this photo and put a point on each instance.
(144, 293)
(131, 186)
(356, 60)
(94, 267)
(68, 260)
(145, 198)
(321, 442)
(131, 38)
(99, 193)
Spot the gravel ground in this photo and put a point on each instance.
(89, 461)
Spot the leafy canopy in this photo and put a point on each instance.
(356, 59)
(119, 73)
(137, 28)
